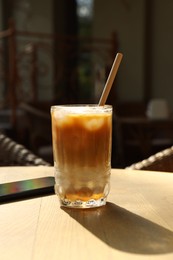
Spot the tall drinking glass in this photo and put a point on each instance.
(82, 140)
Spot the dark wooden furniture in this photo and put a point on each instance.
(140, 137)
(15, 154)
(29, 67)
(161, 161)
(37, 129)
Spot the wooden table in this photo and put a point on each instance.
(136, 223)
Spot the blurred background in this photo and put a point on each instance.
(55, 52)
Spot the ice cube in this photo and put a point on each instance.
(94, 123)
(64, 120)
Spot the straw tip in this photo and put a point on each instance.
(120, 54)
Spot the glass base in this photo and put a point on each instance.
(83, 204)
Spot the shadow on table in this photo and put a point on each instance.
(124, 230)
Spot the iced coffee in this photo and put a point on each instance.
(82, 138)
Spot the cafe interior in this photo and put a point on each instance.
(61, 52)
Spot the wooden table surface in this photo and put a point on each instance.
(136, 223)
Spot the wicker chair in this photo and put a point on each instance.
(14, 154)
(161, 161)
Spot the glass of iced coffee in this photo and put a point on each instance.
(82, 140)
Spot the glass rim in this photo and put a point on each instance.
(81, 105)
